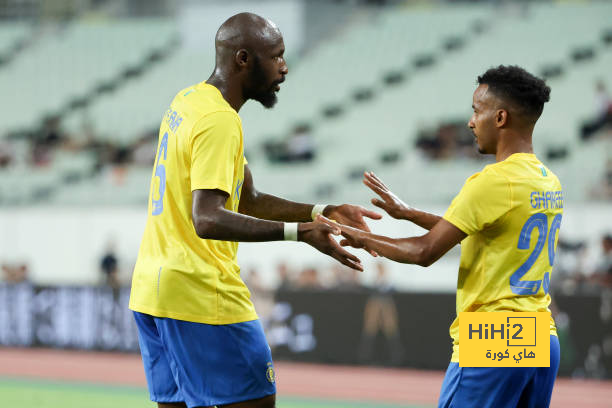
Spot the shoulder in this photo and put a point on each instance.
(222, 117)
(491, 175)
(205, 101)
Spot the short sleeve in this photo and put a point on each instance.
(484, 199)
(215, 145)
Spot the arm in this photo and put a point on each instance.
(423, 250)
(395, 207)
(212, 220)
(269, 207)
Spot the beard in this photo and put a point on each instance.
(267, 97)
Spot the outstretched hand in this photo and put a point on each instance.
(319, 233)
(351, 215)
(390, 203)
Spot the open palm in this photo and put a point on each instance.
(390, 203)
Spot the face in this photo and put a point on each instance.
(482, 121)
(267, 72)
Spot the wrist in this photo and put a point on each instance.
(318, 209)
(290, 231)
(328, 209)
(302, 228)
(409, 214)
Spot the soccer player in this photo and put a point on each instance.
(201, 342)
(506, 218)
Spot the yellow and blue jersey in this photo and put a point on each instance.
(511, 212)
(178, 274)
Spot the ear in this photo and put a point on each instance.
(241, 58)
(501, 118)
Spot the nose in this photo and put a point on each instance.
(471, 124)
(284, 69)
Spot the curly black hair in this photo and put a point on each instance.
(526, 92)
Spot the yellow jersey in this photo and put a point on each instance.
(511, 212)
(178, 274)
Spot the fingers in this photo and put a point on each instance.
(345, 257)
(370, 214)
(350, 262)
(354, 265)
(328, 224)
(346, 242)
(349, 242)
(374, 187)
(376, 180)
(378, 203)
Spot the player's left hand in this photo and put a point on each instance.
(353, 216)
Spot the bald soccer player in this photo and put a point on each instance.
(202, 344)
(507, 219)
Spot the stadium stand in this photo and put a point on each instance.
(365, 92)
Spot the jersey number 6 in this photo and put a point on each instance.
(539, 221)
(160, 171)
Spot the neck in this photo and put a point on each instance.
(513, 142)
(230, 89)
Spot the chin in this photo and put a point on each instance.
(267, 100)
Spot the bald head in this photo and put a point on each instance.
(250, 61)
(246, 31)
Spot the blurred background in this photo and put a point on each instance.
(378, 85)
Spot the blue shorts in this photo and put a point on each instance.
(204, 365)
(483, 387)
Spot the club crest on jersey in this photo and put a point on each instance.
(270, 375)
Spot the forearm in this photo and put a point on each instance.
(269, 207)
(225, 225)
(404, 250)
(421, 218)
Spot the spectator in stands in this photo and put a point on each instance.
(109, 265)
(46, 140)
(143, 151)
(448, 140)
(263, 298)
(603, 189)
(603, 116)
(345, 279)
(309, 279)
(298, 147)
(6, 154)
(380, 316)
(570, 266)
(285, 281)
(603, 271)
(15, 273)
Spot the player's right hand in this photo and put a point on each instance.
(318, 234)
(390, 203)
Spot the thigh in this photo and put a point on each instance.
(160, 379)
(539, 391)
(449, 385)
(218, 364)
(483, 387)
